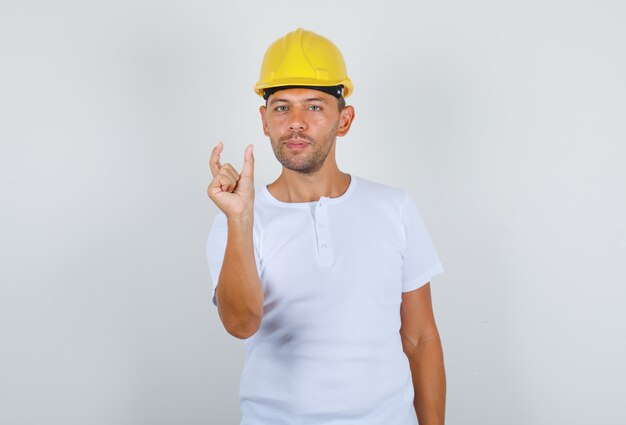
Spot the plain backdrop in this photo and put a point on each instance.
(504, 120)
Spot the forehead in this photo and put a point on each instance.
(299, 95)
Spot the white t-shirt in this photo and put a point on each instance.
(328, 351)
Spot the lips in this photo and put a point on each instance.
(297, 143)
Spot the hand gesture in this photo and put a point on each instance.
(232, 192)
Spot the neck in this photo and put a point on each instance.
(293, 186)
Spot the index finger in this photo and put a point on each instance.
(214, 162)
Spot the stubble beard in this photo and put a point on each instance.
(303, 162)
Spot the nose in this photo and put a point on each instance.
(296, 120)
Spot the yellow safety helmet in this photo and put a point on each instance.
(303, 58)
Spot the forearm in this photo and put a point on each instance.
(239, 289)
(429, 381)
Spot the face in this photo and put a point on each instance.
(302, 125)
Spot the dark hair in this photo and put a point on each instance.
(341, 103)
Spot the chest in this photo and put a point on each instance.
(318, 257)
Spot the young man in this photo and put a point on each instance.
(326, 275)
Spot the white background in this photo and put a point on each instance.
(504, 119)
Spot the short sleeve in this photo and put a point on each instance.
(216, 248)
(420, 259)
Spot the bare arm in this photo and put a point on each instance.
(239, 294)
(421, 344)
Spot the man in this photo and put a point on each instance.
(326, 275)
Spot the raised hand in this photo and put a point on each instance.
(232, 192)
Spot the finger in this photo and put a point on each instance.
(214, 162)
(248, 162)
(224, 182)
(232, 172)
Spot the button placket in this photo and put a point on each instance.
(324, 247)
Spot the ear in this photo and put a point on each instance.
(346, 116)
(263, 111)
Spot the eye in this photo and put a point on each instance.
(315, 108)
(280, 108)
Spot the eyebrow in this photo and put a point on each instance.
(310, 99)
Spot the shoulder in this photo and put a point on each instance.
(382, 194)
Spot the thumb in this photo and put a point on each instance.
(248, 163)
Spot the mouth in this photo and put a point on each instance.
(297, 143)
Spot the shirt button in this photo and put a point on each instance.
(323, 246)
(321, 225)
